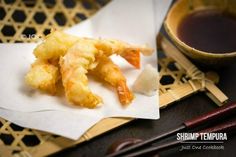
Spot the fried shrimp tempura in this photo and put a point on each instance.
(76, 56)
(43, 76)
(130, 53)
(74, 66)
(55, 45)
(111, 73)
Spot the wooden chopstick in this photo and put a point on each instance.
(205, 118)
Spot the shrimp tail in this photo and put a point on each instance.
(124, 94)
(133, 57)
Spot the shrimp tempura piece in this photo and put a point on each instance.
(77, 56)
(55, 45)
(130, 53)
(111, 73)
(74, 66)
(43, 76)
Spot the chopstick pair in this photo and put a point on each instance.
(214, 115)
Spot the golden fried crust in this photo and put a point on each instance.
(74, 66)
(77, 56)
(55, 45)
(111, 73)
(43, 76)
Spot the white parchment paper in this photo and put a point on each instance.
(133, 21)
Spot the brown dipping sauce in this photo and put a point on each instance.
(209, 30)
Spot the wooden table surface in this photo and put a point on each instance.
(170, 117)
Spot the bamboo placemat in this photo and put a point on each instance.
(177, 76)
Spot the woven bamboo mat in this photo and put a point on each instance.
(20, 20)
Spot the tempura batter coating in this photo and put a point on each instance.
(77, 56)
(43, 76)
(74, 66)
(111, 73)
(55, 45)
